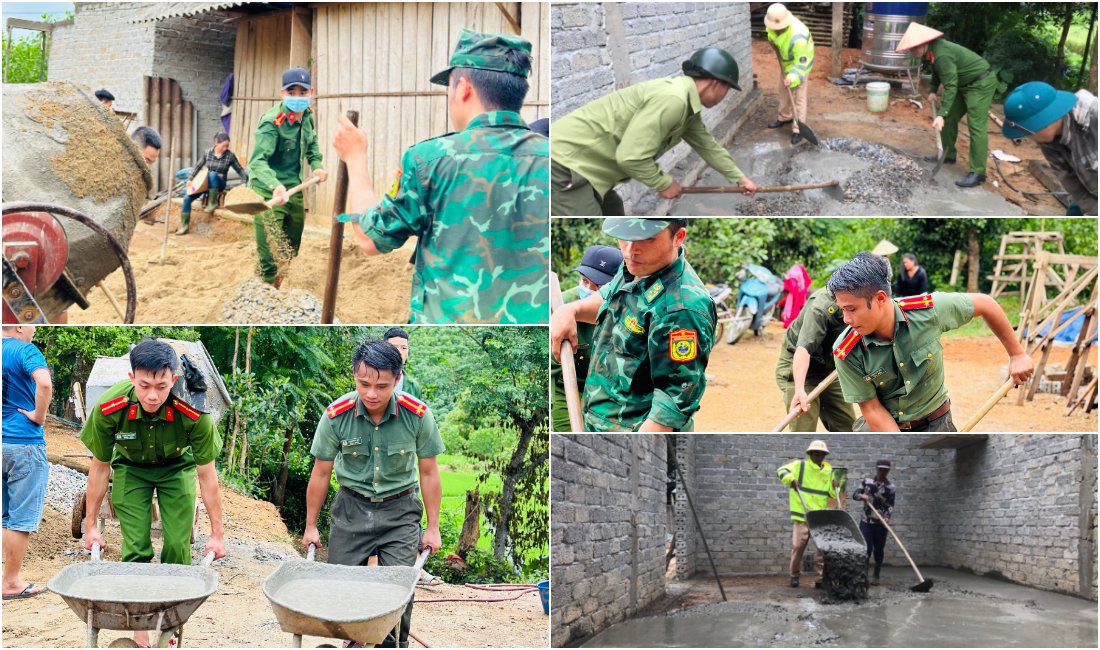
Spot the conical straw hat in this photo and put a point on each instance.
(917, 34)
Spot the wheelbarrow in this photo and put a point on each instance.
(135, 596)
(827, 527)
(361, 604)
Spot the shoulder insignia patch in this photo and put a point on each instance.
(412, 404)
(340, 407)
(654, 291)
(396, 184)
(683, 345)
(111, 406)
(841, 351)
(279, 119)
(186, 409)
(916, 302)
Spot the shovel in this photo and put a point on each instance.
(939, 144)
(925, 585)
(832, 188)
(799, 125)
(256, 207)
(988, 406)
(568, 365)
(814, 394)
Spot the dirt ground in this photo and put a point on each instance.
(742, 394)
(239, 615)
(841, 111)
(203, 269)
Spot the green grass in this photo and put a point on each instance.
(977, 327)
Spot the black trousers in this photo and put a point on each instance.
(875, 536)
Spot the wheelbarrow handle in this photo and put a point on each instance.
(422, 558)
(208, 560)
(311, 553)
(95, 552)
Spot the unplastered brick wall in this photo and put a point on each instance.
(601, 47)
(607, 530)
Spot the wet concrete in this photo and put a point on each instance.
(845, 571)
(961, 611)
(875, 180)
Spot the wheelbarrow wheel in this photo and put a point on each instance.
(124, 642)
(78, 516)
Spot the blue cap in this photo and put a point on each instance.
(1034, 106)
(600, 263)
(297, 77)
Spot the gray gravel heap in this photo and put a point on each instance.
(258, 302)
(64, 487)
(889, 182)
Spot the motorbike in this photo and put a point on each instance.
(757, 295)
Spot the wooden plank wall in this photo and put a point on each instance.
(377, 58)
(174, 119)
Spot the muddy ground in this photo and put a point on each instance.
(742, 395)
(962, 610)
(239, 615)
(205, 269)
(841, 112)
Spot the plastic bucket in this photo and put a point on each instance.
(878, 96)
(544, 594)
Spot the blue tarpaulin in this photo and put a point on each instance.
(1073, 330)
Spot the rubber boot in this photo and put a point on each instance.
(185, 223)
(212, 200)
(878, 571)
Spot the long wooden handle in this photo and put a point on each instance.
(814, 394)
(733, 189)
(895, 536)
(988, 406)
(313, 180)
(568, 365)
(336, 237)
(794, 111)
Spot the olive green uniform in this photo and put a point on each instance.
(559, 412)
(377, 510)
(620, 136)
(150, 451)
(905, 373)
(969, 83)
(280, 144)
(649, 350)
(818, 324)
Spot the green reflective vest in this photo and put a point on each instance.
(796, 51)
(816, 483)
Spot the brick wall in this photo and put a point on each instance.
(601, 47)
(607, 532)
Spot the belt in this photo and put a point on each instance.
(984, 74)
(391, 497)
(943, 410)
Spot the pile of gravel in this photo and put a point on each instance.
(64, 487)
(888, 183)
(258, 302)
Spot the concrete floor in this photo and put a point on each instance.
(962, 610)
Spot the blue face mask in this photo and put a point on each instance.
(584, 291)
(296, 104)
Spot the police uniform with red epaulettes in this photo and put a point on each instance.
(377, 510)
(905, 373)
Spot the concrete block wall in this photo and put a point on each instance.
(602, 47)
(687, 534)
(607, 532)
(1088, 492)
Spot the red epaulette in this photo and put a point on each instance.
(340, 407)
(411, 403)
(846, 345)
(916, 302)
(111, 406)
(279, 119)
(185, 408)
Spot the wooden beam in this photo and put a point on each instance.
(954, 440)
(838, 35)
(513, 21)
(32, 25)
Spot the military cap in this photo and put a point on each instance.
(631, 229)
(297, 77)
(485, 52)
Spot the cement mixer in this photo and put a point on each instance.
(74, 185)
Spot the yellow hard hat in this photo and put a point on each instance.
(817, 445)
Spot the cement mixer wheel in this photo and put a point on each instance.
(91, 224)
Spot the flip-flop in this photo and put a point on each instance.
(26, 593)
(428, 580)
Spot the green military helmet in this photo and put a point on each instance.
(634, 229)
(715, 63)
(485, 51)
(1034, 106)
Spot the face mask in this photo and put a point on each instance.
(584, 291)
(296, 104)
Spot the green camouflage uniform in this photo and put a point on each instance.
(905, 373)
(652, 341)
(279, 145)
(478, 203)
(818, 324)
(150, 451)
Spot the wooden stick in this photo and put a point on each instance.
(988, 406)
(568, 366)
(336, 240)
(814, 394)
(733, 189)
(1083, 398)
(111, 299)
(168, 203)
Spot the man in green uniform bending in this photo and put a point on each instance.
(285, 137)
(378, 439)
(890, 360)
(969, 83)
(655, 325)
(152, 440)
(805, 360)
(620, 136)
(477, 200)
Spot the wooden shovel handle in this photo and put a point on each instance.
(568, 365)
(988, 406)
(814, 394)
(313, 180)
(733, 189)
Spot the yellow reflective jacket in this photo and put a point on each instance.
(816, 482)
(796, 51)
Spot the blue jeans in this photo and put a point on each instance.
(875, 536)
(216, 182)
(26, 471)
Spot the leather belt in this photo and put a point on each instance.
(984, 74)
(943, 410)
(391, 497)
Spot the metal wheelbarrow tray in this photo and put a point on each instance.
(819, 519)
(134, 595)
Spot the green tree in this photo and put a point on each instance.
(29, 59)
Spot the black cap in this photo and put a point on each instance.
(600, 263)
(883, 464)
(297, 77)
(104, 95)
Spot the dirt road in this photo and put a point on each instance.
(742, 395)
(239, 615)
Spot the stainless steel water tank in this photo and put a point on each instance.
(883, 26)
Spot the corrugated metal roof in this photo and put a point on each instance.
(162, 10)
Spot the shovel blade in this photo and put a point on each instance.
(247, 208)
(808, 133)
(923, 587)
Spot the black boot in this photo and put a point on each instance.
(973, 179)
(796, 138)
(946, 160)
(778, 123)
(878, 570)
(794, 581)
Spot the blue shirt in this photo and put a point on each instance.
(20, 360)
